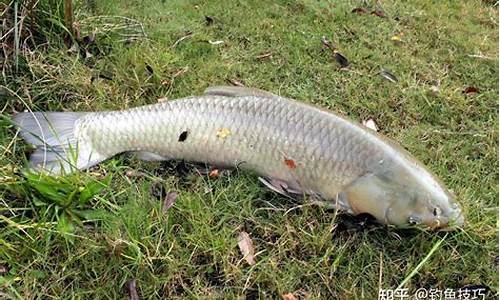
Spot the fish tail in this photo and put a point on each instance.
(58, 150)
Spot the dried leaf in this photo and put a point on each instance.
(370, 123)
(246, 247)
(223, 133)
(162, 99)
(215, 42)
(360, 10)
(388, 75)
(183, 136)
(214, 174)
(166, 82)
(396, 38)
(470, 90)
(264, 55)
(289, 296)
(132, 289)
(169, 201)
(236, 82)
(209, 20)
(290, 163)
(379, 13)
(341, 59)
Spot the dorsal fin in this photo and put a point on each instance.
(236, 91)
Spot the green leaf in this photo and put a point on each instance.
(92, 189)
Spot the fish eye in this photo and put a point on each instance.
(436, 212)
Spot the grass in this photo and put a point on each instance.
(119, 231)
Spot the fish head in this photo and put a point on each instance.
(404, 196)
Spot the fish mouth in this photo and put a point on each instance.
(452, 223)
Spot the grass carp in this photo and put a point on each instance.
(297, 149)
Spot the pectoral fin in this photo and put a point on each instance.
(367, 195)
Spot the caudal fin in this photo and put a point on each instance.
(58, 151)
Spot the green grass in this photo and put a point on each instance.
(120, 233)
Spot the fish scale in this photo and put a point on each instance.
(263, 133)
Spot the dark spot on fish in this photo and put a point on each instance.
(149, 68)
(183, 136)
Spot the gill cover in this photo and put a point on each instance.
(374, 194)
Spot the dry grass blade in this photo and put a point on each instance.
(182, 38)
(422, 263)
(246, 247)
(264, 55)
(215, 42)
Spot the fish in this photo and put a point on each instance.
(296, 149)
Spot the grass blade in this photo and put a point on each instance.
(421, 264)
